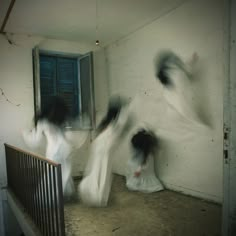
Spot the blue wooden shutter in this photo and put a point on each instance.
(47, 78)
(67, 82)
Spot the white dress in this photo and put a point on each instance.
(94, 189)
(58, 149)
(142, 178)
(182, 95)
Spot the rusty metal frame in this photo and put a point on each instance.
(36, 182)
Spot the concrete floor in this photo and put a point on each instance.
(164, 213)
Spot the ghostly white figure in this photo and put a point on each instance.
(58, 150)
(176, 78)
(94, 189)
(50, 123)
(140, 172)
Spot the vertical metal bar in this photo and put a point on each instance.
(10, 158)
(23, 179)
(60, 201)
(27, 194)
(27, 189)
(36, 191)
(18, 181)
(55, 201)
(44, 212)
(16, 175)
(23, 173)
(48, 206)
(52, 202)
(11, 168)
(8, 166)
(34, 187)
(41, 197)
(26, 184)
(30, 187)
(16, 170)
(19, 178)
(39, 191)
(46, 198)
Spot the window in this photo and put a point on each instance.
(70, 77)
(59, 76)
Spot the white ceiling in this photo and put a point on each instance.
(77, 19)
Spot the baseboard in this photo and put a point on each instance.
(194, 193)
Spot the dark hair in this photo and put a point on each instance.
(144, 142)
(55, 111)
(114, 107)
(163, 63)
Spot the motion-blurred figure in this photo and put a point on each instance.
(140, 174)
(94, 188)
(50, 123)
(177, 80)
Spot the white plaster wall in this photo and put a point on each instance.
(16, 81)
(190, 158)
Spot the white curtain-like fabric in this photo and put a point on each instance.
(95, 187)
(142, 177)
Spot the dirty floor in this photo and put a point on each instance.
(129, 213)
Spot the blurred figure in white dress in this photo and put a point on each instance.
(178, 81)
(50, 123)
(140, 173)
(94, 189)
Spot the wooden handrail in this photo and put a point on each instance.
(33, 154)
(41, 182)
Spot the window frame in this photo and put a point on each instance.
(36, 83)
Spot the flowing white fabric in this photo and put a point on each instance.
(94, 189)
(142, 177)
(58, 149)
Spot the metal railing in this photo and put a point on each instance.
(37, 183)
